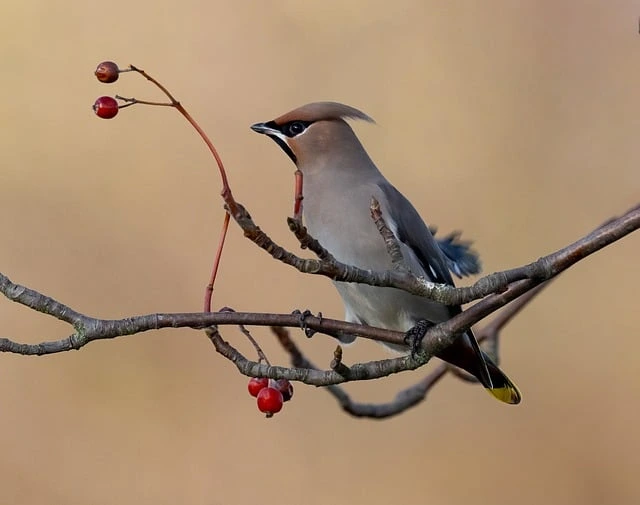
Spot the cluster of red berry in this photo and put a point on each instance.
(271, 394)
(106, 107)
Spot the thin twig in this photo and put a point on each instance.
(337, 365)
(390, 240)
(261, 355)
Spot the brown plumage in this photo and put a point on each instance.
(319, 111)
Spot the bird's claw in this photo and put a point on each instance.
(413, 337)
(302, 320)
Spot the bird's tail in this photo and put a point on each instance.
(501, 386)
(466, 354)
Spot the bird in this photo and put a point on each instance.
(340, 180)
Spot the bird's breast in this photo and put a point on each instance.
(343, 225)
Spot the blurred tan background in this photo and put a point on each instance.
(514, 121)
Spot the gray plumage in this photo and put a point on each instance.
(339, 181)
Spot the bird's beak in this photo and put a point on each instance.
(271, 130)
(261, 128)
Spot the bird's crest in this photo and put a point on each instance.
(319, 111)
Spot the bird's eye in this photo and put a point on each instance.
(295, 128)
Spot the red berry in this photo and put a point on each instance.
(107, 71)
(257, 384)
(270, 401)
(105, 107)
(285, 387)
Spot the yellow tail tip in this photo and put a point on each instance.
(507, 394)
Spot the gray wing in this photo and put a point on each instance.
(412, 231)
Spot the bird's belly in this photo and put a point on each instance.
(389, 308)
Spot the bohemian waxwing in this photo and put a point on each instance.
(339, 181)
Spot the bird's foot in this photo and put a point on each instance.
(413, 337)
(302, 320)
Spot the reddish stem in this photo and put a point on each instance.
(226, 190)
(298, 197)
(208, 295)
(223, 174)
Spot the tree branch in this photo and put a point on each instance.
(515, 287)
(541, 270)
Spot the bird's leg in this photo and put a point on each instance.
(302, 319)
(413, 337)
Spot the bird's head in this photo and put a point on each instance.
(314, 131)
